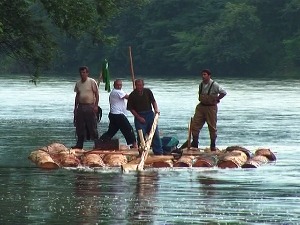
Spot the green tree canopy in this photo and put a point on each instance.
(30, 30)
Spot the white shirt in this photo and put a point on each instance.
(117, 102)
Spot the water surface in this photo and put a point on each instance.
(255, 113)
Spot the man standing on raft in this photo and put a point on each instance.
(210, 94)
(85, 108)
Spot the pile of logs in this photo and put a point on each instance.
(57, 155)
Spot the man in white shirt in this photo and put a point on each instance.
(117, 116)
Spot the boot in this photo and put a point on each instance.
(79, 143)
(194, 143)
(212, 145)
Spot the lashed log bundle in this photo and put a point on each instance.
(163, 164)
(43, 160)
(115, 160)
(267, 153)
(206, 161)
(92, 160)
(160, 161)
(184, 161)
(239, 148)
(69, 160)
(232, 159)
(57, 155)
(255, 161)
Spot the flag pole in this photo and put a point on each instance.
(131, 68)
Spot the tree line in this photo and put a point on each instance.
(168, 38)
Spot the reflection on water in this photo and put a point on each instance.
(256, 113)
(142, 207)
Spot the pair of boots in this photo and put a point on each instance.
(195, 142)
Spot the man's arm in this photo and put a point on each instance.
(222, 95)
(75, 107)
(76, 101)
(137, 116)
(96, 93)
(155, 107)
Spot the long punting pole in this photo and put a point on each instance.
(131, 67)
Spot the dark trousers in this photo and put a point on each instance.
(86, 124)
(119, 122)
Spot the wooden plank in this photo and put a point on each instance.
(189, 133)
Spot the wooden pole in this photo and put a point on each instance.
(131, 68)
(189, 133)
(145, 146)
(148, 144)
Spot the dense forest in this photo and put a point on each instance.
(168, 38)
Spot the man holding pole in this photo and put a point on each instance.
(140, 103)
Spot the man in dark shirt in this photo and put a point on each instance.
(140, 103)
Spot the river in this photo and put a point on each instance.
(255, 113)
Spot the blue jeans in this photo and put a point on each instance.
(146, 127)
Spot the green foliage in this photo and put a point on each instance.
(167, 37)
(292, 47)
(231, 40)
(24, 36)
(32, 31)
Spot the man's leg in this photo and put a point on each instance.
(156, 143)
(113, 127)
(79, 143)
(212, 126)
(197, 124)
(80, 128)
(127, 130)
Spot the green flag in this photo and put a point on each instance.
(105, 75)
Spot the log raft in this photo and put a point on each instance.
(57, 155)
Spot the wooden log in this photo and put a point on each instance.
(54, 148)
(255, 161)
(92, 160)
(43, 160)
(77, 152)
(184, 161)
(267, 153)
(69, 160)
(145, 146)
(239, 148)
(162, 164)
(233, 159)
(191, 151)
(133, 152)
(206, 161)
(151, 161)
(114, 160)
(158, 158)
(130, 166)
(159, 161)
